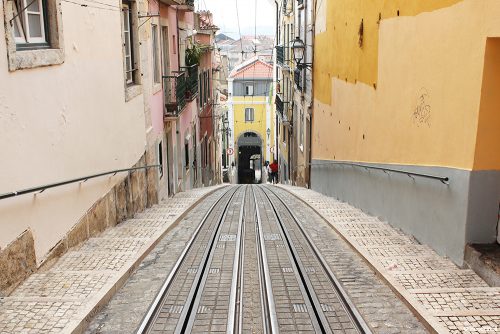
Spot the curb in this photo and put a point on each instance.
(101, 299)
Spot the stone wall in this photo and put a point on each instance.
(132, 194)
(17, 262)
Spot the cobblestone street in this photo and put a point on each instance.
(255, 259)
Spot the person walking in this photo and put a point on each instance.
(274, 172)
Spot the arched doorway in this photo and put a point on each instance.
(249, 158)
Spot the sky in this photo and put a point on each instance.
(224, 12)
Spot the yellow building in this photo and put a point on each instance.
(250, 118)
(411, 86)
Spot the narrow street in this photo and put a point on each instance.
(249, 166)
(255, 260)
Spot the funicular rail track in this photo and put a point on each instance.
(356, 319)
(152, 316)
(246, 237)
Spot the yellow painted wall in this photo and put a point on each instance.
(341, 55)
(413, 91)
(487, 154)
(259, 103)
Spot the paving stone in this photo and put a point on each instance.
(54, 301)
(428, 282)
(31, 316)
(67, 285)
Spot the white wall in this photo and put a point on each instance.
(65, 121)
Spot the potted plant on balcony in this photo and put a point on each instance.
(192, 57)
(193, 54)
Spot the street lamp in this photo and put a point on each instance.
(298, 48)
(268, 133)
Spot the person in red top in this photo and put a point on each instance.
(274, 172)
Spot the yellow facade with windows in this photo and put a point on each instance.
(261, 106)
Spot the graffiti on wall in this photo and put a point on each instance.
(422, 111)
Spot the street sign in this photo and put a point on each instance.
(230, 151)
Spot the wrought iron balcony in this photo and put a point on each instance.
(280, 54)
(178, 89)
(191, 81)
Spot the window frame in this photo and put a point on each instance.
(127, 17)
(22, 55)
(160, 159)
(156, 57)
(22, 23)
(249, 112)
(249, 90)
(186, 154)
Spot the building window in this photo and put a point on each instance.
(249, 114)
(156, 58)
(201, 88)
(30, 24)
(33, 26)
(174, 45)
(207, 87)
(128, 40)
(249, 90)
(186, 155)
(160, 158)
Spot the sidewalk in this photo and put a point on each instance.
(448, 299)
(65, 298)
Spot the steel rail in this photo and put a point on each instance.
(265, 308)
(188, 314)
(442, 179)
(233, 323)
(270, 324)
(241, 284)
(341, 293)
(156, 304)
(319, 321)
(42, 188)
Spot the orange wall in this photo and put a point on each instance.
(488, 132)
(413, 90)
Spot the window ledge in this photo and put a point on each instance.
(132, 92)
(26, 59)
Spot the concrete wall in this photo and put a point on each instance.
(444, 216)
(51, 133)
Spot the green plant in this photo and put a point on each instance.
(193, 54)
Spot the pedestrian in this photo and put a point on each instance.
(274, 172)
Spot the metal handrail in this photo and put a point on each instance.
(443, 179)
(41, 189)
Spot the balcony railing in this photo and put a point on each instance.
(280, 54)
(191, 81)
(180, 88)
